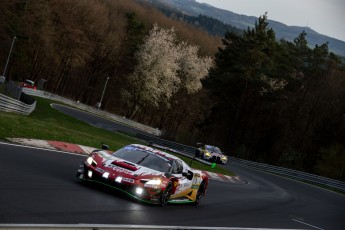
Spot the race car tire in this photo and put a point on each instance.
(199, 193)
(81, 171)
(197, 153)
(214, 159)
(166, 195)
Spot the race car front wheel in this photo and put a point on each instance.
(166, 195)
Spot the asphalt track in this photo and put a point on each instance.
(97, 121)
(39, 187)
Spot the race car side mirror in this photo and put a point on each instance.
(105, 147)
(188, 175)
(168, 175)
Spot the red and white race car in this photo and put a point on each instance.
(147, 174)
(28, 84)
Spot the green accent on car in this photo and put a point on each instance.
(131, 195)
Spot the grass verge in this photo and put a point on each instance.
(46, 123)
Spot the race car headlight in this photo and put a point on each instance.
(208, 154)
(139, 191)
(224, 158)
(89, 173)
(90, 160)
(118, 179)
(154, 182)
(105, 175)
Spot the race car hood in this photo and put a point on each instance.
(119, 166)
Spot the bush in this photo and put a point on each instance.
(332, 163)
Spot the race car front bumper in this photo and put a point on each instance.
(132, 187)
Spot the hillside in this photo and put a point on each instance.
(191, 7)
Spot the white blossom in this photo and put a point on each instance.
(165, 67)
(156, 72)
(192, 67)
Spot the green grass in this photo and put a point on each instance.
(198, 165)
(46, 123)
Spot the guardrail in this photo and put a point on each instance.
(294, 174)
(172, 145)
(290, 173)
(9, 104)
(180, 153)
(93, 110)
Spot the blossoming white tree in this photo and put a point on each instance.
(192, 68)
(164, 67)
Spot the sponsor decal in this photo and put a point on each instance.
(180, 200)
(146, 171)
(118, 169)
(128, 180)
(197, 175)
(130, 148)
(196, 180)
(154, 186)
(185, 185)
(155, 199)
(195, 186)
(99, 170)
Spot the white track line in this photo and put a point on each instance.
(121, 226)
(301, 222)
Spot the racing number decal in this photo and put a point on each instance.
(196, 181)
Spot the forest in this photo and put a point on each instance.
(257, 98)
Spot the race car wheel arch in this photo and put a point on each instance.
(174, 184)
(166, 194)
(200, 193)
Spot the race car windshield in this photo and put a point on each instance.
(212, 149)
(28, 82)
(156, 163)
(145, 158)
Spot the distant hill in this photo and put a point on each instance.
(193, 8)
(211, 25)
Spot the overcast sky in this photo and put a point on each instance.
(324, 16)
